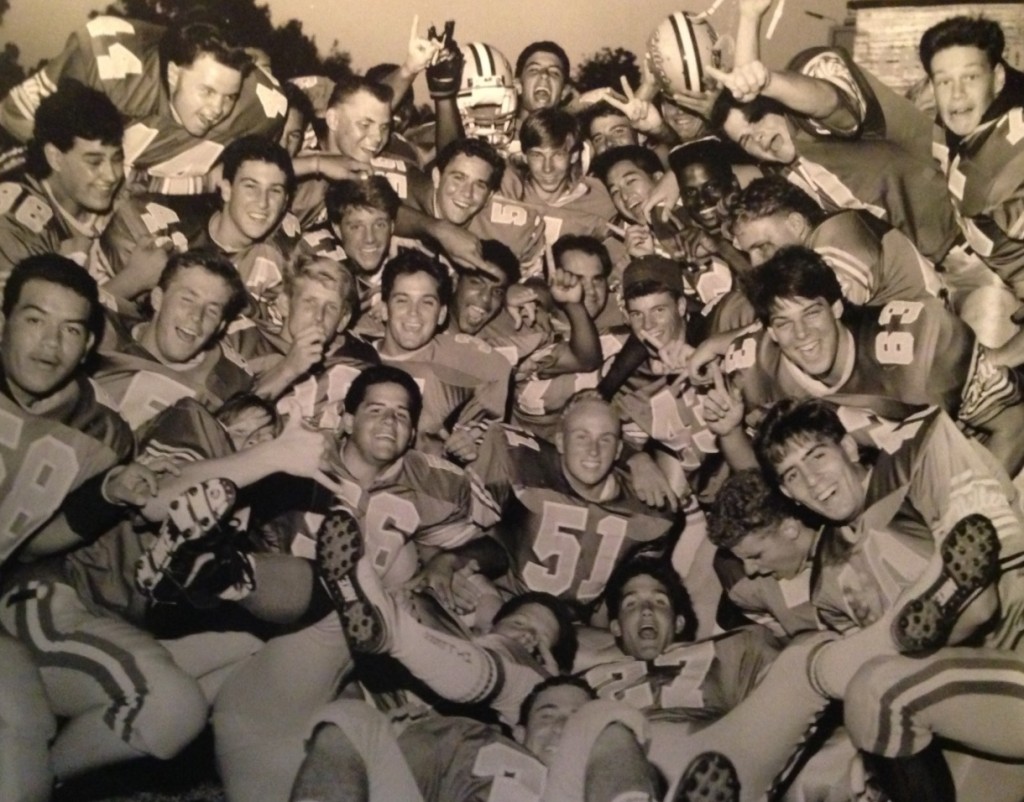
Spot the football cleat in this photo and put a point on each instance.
(679, 49)
(339, 558)
(968, 562)
(710, 777)
(193, 558)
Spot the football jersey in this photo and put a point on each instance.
(927, 479)
(559, 542)
(699, 681)
(421, 499)
(138, 386)
(45, 457)
(184, 222)
(120, 58)
(985, 179)
(874, 262)
(463, 380)
(585, 209)
(32, 223)
(651, 409)
(915, 352)
(103, 572)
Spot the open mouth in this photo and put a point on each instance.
(647, 632)
(541, 96)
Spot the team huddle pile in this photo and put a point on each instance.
(633, 444)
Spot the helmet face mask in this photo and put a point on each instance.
(487, 98)
(678, 51)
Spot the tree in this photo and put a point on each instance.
(11, 72)
(291, 51)
(605, 68)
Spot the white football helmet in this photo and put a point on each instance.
(678, 50)
(487, 97)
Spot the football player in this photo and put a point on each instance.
(874, 262)
(309, 357)
(463, 195)
(249, 227)
(75, 168)
(66, 475)
(465, 382)
(809, 347)
(179, 352)
(542, 77)
(487, 99)
(980, 103)
(951, 500)
(185, 92)
(568, 500)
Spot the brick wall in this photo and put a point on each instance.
(886, 39)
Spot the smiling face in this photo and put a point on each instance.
(658, 319)
(685, 123)
(701, 192)
(359, 126)
(807, 332)
(478, 298)
(768, 139)
(45, 339)
(541, 83)
(463, 189)
(611, 131)
(646, 623)
(203, 93)
(630, 188)
(549, 167)
(412, 314)
(85, 178)
(823, 476)
(253, 204)
(380, 431)
(551, 710)
(189, 314)
(589, 441)
(365, 235)
(965, 85)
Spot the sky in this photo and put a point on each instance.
(40, 27)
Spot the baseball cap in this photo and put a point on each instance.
(653, 268)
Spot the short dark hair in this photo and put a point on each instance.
(410, 261)
(811, 420)
(564, 649)
(544, 46)
(661, 570)
(549, 126)
(255, 148)
(746, 502)
(793, 272)
(595, 111)
(475, 148)
(348, 86)
(644, 158)
(709, 151)
(501, 256)
(212, 262)
(74, 111)
(375, 192)
(184, 43)
(584, 243)
(60, 270)
(963, 31)
(551, 682)
(753, 111)
(384, 374)
(770, 195)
